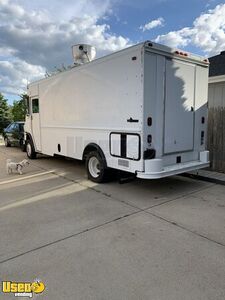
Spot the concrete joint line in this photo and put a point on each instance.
(68, 237)
(184, 228)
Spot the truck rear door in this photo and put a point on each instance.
(179, 106)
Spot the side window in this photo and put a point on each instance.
(35, 106)
(9, 128)
(12, 127)
(16, 127)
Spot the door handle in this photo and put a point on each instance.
(131, 120)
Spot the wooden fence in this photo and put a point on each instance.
(216, 126)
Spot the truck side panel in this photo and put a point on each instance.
(86, 104)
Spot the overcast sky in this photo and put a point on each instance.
(36, 36)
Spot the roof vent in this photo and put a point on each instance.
(83, 53)
(222, 53)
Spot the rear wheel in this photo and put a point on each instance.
(96, 167)
(30, 149)
(7, 143)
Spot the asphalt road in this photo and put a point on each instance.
(153, 240)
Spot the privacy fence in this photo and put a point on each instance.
(216, 126)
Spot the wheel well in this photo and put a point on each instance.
(93, 147)
(29, 138)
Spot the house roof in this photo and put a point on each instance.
(217, 65)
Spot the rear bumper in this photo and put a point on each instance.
(154, 168)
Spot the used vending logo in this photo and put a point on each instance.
(23, 289)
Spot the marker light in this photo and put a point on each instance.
(181, 53)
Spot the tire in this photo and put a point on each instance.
(30, 150)
(96, 167)
(7, 143)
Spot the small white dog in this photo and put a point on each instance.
(18, 167)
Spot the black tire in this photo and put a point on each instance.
(96, 168)
(30, 150)
(7, 143)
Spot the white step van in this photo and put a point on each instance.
(142, 110)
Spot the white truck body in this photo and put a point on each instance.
(145, 107)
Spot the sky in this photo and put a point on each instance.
(36, 36)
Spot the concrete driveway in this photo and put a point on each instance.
(157, 240)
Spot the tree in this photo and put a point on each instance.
(4, 113)
(19, 108)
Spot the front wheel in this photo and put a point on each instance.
(96, 167)
(30, 150)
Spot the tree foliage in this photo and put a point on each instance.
(18, 109)
(15, 112)
(5, 117)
